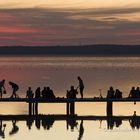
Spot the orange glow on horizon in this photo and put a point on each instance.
(18, 30)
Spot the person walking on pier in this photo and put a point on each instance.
(81, 86)
(2, 87)
(15, 88)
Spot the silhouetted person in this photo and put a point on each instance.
(110, 93)
(81, 86)
(37, 96)
(2, 87)
(44, 92)
(118, 94)
(15, 128)
(81, 130)
(29, 93)
(132, 93)
(37, 93)
(15, 88)
(2, 129)
(137, 92)
(71, 94)
(49, 93)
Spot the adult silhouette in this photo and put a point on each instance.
(81, 86)
(29, 93)
(71, 94)
(15, 88)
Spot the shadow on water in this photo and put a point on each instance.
(74, 122)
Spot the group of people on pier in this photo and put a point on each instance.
(13, 85)
(47, 92)
(134, 93)
(111, 93)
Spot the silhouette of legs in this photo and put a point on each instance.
(81, 92)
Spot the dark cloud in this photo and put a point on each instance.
(58, 26)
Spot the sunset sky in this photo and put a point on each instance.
(69, 22)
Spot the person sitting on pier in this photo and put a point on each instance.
(2, 87)
(132, 93)
(29, 93)
(44, 92)
(49, 93)
(110, 93)
(15, 88)
(137, 92)
(72, 93)
(37, 93)
(118, 94)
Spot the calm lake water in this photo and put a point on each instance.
(60, 73)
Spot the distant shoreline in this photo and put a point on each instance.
(87, 50)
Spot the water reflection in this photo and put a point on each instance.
(74, 122)
(14, 129)
(2, 129)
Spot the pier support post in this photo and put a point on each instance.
(70, 108)
(109, 108)
(33, 106)
(36, 108)
(30, 108)
(67, 108)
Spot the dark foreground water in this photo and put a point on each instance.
(60, 73)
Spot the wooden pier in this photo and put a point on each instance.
(70, 103)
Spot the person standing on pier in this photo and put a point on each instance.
(2, 87)
(81, 86)
(37, 96)
(15, 88)
(71, 94)
(29, 93)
